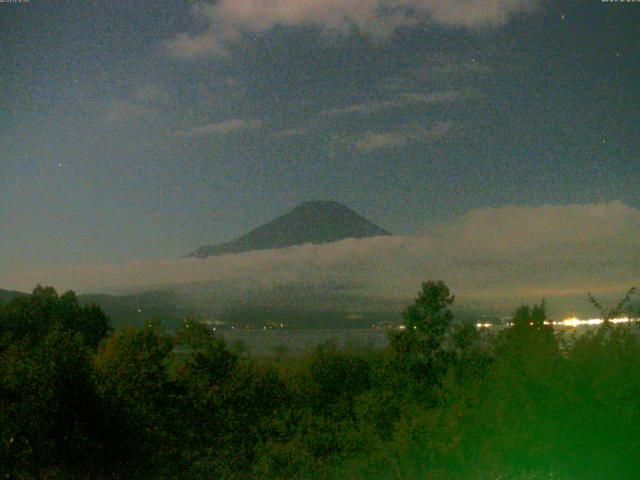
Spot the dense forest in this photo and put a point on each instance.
(443, 401)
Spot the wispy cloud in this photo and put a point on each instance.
(291, 132)
(371, 141)
(427, 98)
(204, 44)
(228, 20)
(397, 100)
(224, 127)
(144, 103)
(367, 107)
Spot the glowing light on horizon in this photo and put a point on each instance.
(567, 322)
(484, 325)
(576, 322)
(572, 322)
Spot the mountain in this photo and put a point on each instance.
(7, 295)
(138, 308)
(127, 310)
(309, 222)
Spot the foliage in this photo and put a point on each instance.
(617, 310)
(33, 316)
(419, 346)
(443, 401)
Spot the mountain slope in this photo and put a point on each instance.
(138, 308)
(126, 310)
(7, 295)
(310, 222)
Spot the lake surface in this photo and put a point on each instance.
(296, 341)
(268, 342)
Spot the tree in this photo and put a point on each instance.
(210, 363)
(530, 317)
(430, 314)
(50, 415)
(617, 310)
(134, 381)
(33, 316)
(419, 347)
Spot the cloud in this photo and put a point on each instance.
(224, 127)
(369, 107)
(228, 20)
(193, 46)
(120, 112)
(397, 100)
(421, 97)
(145, 103)
(474, 13)
(291, 132)
(371, 141)
(514, 252)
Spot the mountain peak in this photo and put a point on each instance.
(321, 204)
(315, 221)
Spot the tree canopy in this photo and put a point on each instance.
(444, 400)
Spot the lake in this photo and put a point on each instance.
(296, 341)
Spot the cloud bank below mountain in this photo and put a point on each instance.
(485, 254)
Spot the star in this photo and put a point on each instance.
(563, 16)
(60, 164)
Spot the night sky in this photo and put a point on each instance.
(140, 130)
